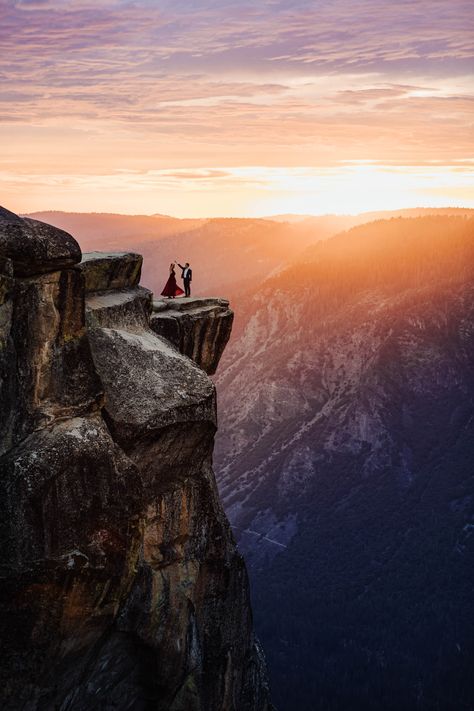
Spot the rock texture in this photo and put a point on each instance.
(35, 247)
(120, 584)
(107, 271)
(200, 328)
(46, 367)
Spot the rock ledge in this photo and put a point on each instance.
(199, 327)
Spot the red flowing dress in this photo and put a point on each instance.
(171, 287)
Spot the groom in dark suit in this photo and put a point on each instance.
(187, 277)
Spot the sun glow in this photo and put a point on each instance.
(253, 191)
(367, 187)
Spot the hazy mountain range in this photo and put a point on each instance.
(227, 255)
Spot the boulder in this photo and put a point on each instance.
(108, 271)
(199, 327)
(35, 247)
(149, 387)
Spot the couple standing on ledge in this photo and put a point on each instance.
(171, 288)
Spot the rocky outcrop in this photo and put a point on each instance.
(121, 587)
(199, 328)
(35, 247)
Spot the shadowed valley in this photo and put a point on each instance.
(345, 463)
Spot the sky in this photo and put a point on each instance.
(219, 108)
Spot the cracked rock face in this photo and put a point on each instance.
(46, 368)
(121, 587)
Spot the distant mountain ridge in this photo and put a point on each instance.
(227, 254)
(363, 217)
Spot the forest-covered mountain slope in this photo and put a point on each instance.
(345, 460)
(228, 255)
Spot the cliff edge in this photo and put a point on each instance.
(121, 587)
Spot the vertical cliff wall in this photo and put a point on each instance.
(121, 587)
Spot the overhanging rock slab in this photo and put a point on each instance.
(199, 327)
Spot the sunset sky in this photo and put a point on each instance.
(201, 108)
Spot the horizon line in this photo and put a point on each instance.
(251, 217)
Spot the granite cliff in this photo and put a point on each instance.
(121, 587)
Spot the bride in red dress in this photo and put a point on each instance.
(171, 288)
